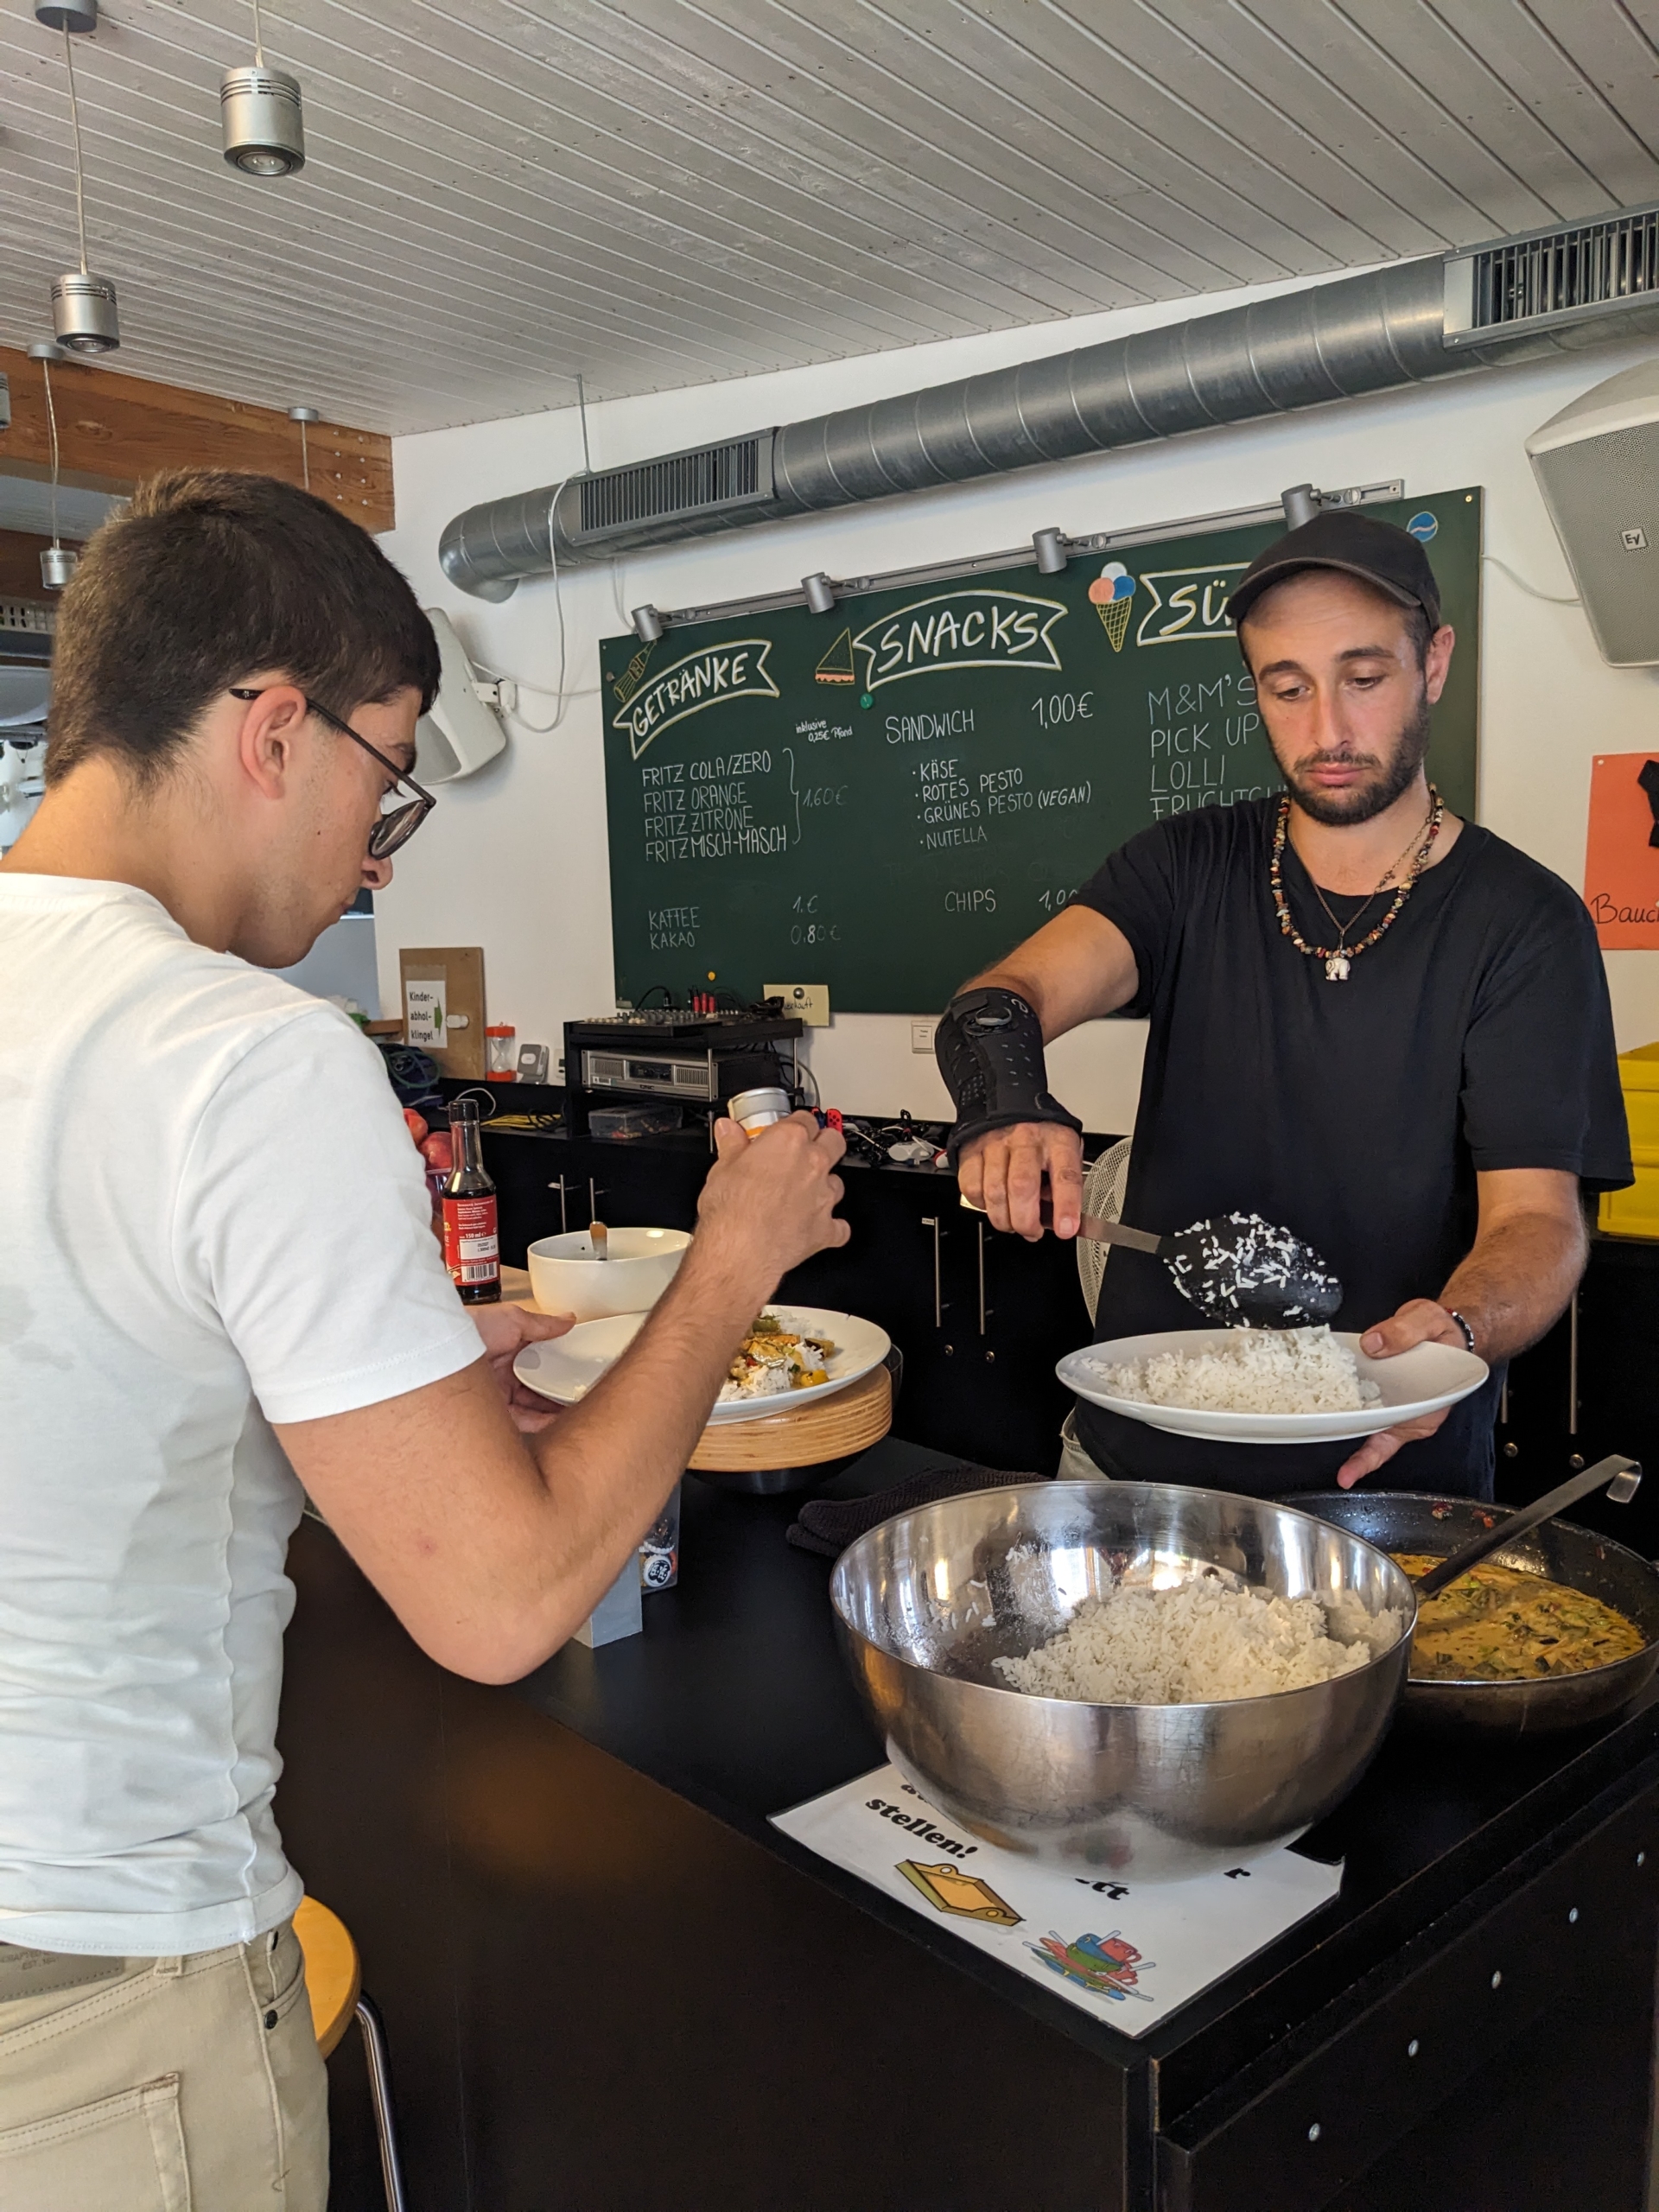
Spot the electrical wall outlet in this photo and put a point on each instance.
(808, 1003)
(921, 1036)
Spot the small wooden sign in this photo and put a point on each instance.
(442, 992)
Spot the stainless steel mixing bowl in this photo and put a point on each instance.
(925, 1602)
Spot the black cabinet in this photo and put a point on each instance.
(980, 1317)
(1589, 1387)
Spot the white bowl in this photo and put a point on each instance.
(566, 1278)
(1412, 1383)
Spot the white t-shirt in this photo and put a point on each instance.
(213, 1219)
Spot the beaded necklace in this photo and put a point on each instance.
(1339, 958)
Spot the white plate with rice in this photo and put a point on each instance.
(1268, 1386)
(566, 1368)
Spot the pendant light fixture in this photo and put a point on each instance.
(58, 560)
(259, 108)
(83, 306)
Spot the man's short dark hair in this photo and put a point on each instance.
(207, 577)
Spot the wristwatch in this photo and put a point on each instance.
(1468, 1333)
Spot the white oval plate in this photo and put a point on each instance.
(566, 1368)
(1412, 1383)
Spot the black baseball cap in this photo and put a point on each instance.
(1379, 553)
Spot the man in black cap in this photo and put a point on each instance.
(1374, 1023)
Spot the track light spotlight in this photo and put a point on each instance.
(259, 110)
(647, 624)
(1300, 503)
(818, 593)
(1049, 546)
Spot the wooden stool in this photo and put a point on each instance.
(333, 1982)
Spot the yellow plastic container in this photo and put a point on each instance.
(1634, 1212)
(1638, 1075)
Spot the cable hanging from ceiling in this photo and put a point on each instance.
(260, 112)
(303, 415)
(84, 314)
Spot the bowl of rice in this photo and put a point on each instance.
(1135, 1679)
(1268, 1386)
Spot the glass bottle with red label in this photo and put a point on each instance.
(471, 1247)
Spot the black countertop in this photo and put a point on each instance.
(736, 1698)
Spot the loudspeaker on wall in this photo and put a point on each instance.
(1597, 463)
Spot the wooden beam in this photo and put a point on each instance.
(115, 430)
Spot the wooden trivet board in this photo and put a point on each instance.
(834, 1427)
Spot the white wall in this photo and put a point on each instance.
(515, 859)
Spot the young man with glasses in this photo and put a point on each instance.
(218, 1282)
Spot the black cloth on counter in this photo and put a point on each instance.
(828, 1525)
(1475, 1035)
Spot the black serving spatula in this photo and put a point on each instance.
(1236, 1268)
(1622, 1476)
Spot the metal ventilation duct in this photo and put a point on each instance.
(1574, 286)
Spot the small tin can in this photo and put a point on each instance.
(758, 1109)
(659, 1548)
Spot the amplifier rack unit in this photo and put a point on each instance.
(697, 1060)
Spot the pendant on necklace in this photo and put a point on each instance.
(1336, 968)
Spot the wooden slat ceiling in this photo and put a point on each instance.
(501, 195)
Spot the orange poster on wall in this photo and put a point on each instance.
(1621, 861)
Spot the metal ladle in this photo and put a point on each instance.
(1622, 1477)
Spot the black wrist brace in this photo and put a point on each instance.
(989, 1047)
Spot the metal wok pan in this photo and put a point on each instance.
(1401, 1521)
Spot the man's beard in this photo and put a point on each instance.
(1362, 802)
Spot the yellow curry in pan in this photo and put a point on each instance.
(1497, 1625)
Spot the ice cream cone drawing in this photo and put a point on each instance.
(1112, 595)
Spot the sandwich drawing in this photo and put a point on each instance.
(836, 666)
(948, 1889)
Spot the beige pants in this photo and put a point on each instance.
(162, 2085)
(1076, 1465)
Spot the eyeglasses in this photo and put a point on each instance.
(400, 815)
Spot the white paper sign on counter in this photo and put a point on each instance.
(1128, 1952)
(423, 1013)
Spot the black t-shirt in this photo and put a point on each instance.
(1475, 1035)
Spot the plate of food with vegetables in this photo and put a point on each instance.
(790, 1356)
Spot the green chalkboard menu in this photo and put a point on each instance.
(886, 797)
